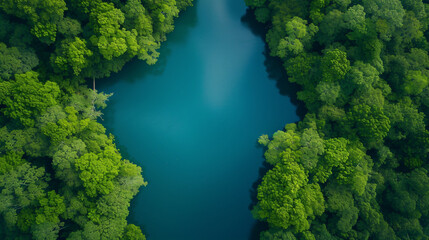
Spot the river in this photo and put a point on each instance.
(192, 122)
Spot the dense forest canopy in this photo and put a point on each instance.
(61, 176)
(356, 166)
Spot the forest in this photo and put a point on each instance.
(356, 166)
(61, 175)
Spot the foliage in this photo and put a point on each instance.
(26, 97)
(61, 175)
(361, 151)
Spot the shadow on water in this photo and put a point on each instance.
(273, 65)
(186, 21)
(258, 226)
(137, 70)
(257, 28)
(276, 72)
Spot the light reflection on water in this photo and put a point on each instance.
(192, 121)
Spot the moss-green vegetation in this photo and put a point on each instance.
(61, 176)
(356, 166)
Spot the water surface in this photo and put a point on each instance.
(192, 122)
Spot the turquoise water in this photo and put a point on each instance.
(192, 122)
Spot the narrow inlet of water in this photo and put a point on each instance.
(192, 122)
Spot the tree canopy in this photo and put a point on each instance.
(344, 171)
(61, 175)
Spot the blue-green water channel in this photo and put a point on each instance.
(192, 122)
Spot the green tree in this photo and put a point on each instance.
(162, 14)
(387, 15)
(26, 98)
(312, 147)
(138, 18)
(50, 208)
(71, 55)
(106, 22)
(132, 232)
(10, 160)
(334, 65)
(97, 171)
(335, 155)
(277, 234)
(46, 231)
(341, 201)
(354, 19)
(330, 27)
(88, 103)
(415, 82)
(279, 144)
(371, 123)
(328, 92)
(286, 200)
(362, 76)
(65, 127)
(298, 35)
(411, 29)
(43, 15)
(64, 161)
(16, 61)
(21, 187)
(29, 141)
(69, 27)
(300, 68)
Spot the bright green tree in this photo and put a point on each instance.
(72, 55)
(26, 97)
(132, 232)
(97, 171)
(285, 198)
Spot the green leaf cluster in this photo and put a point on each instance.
(363, 146)
(61, 175)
